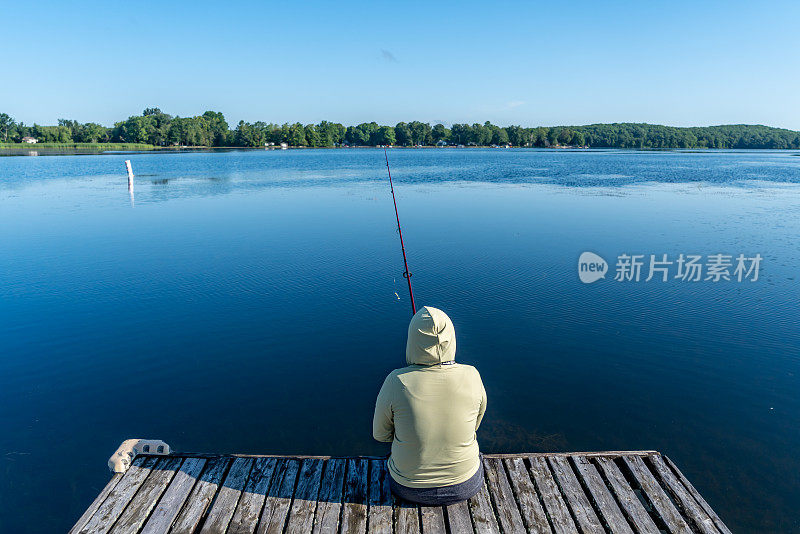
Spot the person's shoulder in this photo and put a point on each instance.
(397, 373)
(469, 369)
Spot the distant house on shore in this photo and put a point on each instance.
(29, 140)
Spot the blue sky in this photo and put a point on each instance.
(528, 63)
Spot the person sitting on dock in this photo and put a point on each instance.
(430, 412)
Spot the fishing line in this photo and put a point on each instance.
(406, 274)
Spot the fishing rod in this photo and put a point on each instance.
(406, 275)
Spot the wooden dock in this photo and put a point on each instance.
(625, 492)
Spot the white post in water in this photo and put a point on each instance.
(130, 174)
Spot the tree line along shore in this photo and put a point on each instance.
(153, 129)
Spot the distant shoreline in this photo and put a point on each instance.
(154, 129)
(104, 149)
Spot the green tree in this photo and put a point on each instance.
(362, 135)
(297, 135)
(439, 133)
(564, 136)
(420, 133)
(7, 125)
(481, 134)
(330, 133)
(217, 127)
(403, 134)
(91, 133)
(461, 134)
(516, 135)
(499, 136)
(385, 136)
(312, 137)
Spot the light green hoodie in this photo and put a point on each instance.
(431, 409)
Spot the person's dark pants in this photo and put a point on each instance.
(443, 495)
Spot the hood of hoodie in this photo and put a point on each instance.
(431, 338)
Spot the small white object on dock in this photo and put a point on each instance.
(130, 174)
(122, 458)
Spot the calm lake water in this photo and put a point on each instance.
(248, 302)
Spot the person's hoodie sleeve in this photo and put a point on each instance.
(383, 420)
(482, 407)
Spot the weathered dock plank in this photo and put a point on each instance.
(458, 517)
(119, 497)
(531, 509)
(699, 498)
(276, 505)
(228, 497)
(301, 514)
(201, 497)
(173, 499)
(660, 501)
(380, 498)
(680, 494)
(354, 514)
(326, 520)
(602, 498)
(248, 510)
(551, 497)
(506, 507)
(407, 518)
(432, 519)
(620, 492)
(139, 508)
(82, 520)
(483, 518)
(627, 498)
(581, 508)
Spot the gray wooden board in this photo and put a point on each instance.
(248, 510)
(601, 497)
(301, 514)
(699, 498)
(96, 503)
(506, 507)
(690, 507)
(660, 501)
(551, 497)
(626, 497)
(380, 498)
(172, 501)
(407, 518)
(531, 509)
(118, 498)
(279, 499)
(201, 497)
(139, 508)
(483, 519)
(582, 509)
(458, 517)
(354, 514)
(228, 496)
(271, 495)
(326, 520)
(432, 519)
